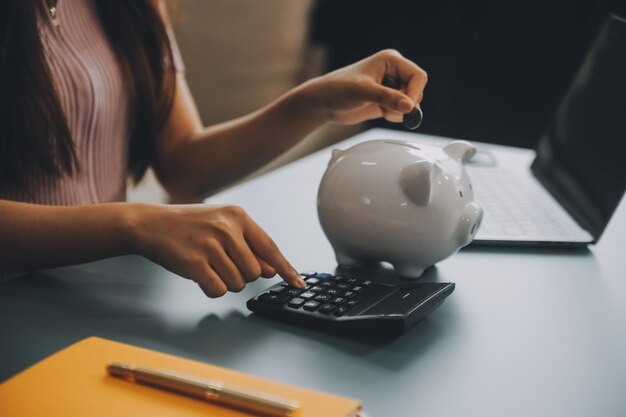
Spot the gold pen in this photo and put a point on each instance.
(212, 391)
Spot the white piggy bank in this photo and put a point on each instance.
(397, 201)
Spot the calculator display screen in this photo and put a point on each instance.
(401, 301)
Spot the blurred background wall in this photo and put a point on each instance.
(497, 68)
(240, 54)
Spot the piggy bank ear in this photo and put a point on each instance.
(460, 150)
(416, 181)
(336, 154)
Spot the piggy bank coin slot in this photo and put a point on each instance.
(402, 143)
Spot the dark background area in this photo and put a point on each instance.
(497, 69)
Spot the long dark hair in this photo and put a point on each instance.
(34, 135)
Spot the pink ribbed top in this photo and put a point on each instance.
(89, 83)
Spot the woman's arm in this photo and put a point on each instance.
(219, 247)
(194, 161)
(35, 237)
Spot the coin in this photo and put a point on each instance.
(413, 119)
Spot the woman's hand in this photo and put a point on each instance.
(355, 93)
(219, 247)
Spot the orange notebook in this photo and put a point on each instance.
(74, 382)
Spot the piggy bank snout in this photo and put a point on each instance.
(470, 223)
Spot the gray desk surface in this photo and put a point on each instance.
(526, 333)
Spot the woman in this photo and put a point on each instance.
(91, 91)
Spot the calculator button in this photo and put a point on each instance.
(343, 286)
(312, 281)
(327, 284)
(338, 278)
(350, 294)
(293, 291)
(340, 311)
(338, 300)
(273, 298)
(351, 303)
(324, 276)
(308, 273)
(285, 285)
(296, 302)
(322, 297)
(353, 281)
(318, 289)
(311, 305)
(327, 308)
(358, 288)
(307, 295)
(366, 283)
(333, 291)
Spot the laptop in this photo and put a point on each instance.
(578, 176)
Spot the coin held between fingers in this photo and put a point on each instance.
(413, 119)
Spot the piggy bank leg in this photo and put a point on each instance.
(346, 261)
(408, 271)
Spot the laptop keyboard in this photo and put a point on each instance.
(511, 208)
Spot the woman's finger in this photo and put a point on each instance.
(210, 282)
(267, 270)
(407, 73)
(392, 116)
(387, 98)
(226, 269)
(262, 244)
(247, 263)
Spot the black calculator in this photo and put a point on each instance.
(347, 303)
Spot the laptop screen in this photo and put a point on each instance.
(581, 159)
